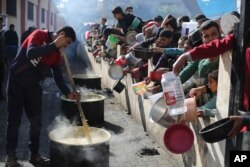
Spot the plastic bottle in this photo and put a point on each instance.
(173, 93)
(111, 42)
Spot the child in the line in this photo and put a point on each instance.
(208, 109)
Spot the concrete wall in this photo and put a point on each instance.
(202, 153)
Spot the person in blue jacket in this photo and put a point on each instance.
(39, 52)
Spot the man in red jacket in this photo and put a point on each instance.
(38, 53)
(215, 48)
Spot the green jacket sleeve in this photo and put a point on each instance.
(189, 71)
(209, 108)
(211, 104)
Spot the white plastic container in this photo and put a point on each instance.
(173, 93)
(111, 42)
(188, 27)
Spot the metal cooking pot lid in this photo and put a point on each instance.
(227, 22)
(131, 37)
(115, 72)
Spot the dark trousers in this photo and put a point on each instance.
(1, 77)
(28, 97)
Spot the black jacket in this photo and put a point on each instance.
(126, 22)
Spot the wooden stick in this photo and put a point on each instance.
(83, 118)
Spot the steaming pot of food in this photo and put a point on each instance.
(70, 148)
(90, 81)
(93, 108)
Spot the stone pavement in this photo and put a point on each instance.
(127, 135)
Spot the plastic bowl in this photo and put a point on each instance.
(217, 131)
(191, 114)
(178, 138)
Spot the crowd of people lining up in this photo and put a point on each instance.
(192, 55)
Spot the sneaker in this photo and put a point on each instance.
(12, 162)
(39, 161)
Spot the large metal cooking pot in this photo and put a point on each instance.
(69, 148)
(90, 81)
(159, 114)
(144, 53)
(93, 108)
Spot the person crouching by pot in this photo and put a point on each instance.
(38, 53)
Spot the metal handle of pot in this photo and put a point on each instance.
(121, 78)
(83, 118)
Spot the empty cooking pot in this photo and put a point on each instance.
(91, 81)
(217, 131)
(115, 72)
(143, 53)
(178, 138)
(93, 108)
(159, 114)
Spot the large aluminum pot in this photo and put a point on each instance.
(93, 108)
(91, 81)
(159, 114)
(70, 148)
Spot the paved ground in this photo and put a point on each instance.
(127, 136)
